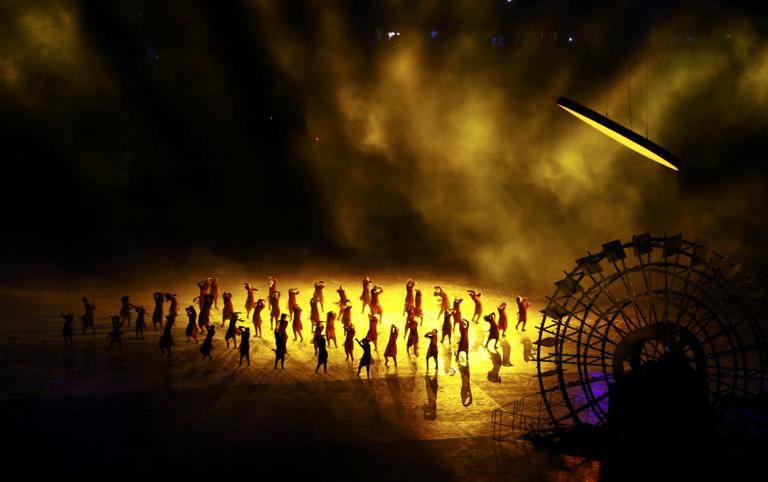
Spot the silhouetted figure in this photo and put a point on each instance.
(522, 311)
(283, 322)
(166, 339)
(430, 408)
(475, 295)
(89, 317)
(457, 312)
(115, 336)
(444, 303)
(249, 298)
(232, 332)
(432, 349)
(272, 285)
(410, 301)
(418, 310)
(373, 330)
(257, 321)
(314, 312)
(207, 347)
(463, 340)
(365, 297)
(330, 328)
(349, 342)
(365, 360)
(281, 339)
(318, 293)
(292, 302)
(413, 336)
(493, 330)
(67, 328)
(125, 311)
(447, 327)
(173, 307)
(214, 284)
(342, 299)
(204, 319)
(375, 307)
(503, 322)
(274, 309)
(157, 313)
(205, 288)
(391, 350)
(245, 345)
(316, 333)
(322, 353)
(191, 330)
(527, 348)
(140, 322)
(296, 323)
(229, 307)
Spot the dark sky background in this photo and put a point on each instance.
(256, 128)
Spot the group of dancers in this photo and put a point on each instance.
(323, 332)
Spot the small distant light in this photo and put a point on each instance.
(570, 39)
(317, 139)
(392, 34)
(434, 34)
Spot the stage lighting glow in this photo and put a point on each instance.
(620, 134)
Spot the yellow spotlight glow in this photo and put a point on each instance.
(621, 134)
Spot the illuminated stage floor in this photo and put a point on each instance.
(96, 411)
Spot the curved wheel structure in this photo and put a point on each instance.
(634, 303)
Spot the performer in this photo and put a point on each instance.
(318, 293)
(342, 299)
(66, 330)
(463, 340)
(365, 298)
(493, 331)
(317, 333)
(375, 307)
(296, 324)
(432, 349)
(140, 323)
(205, 288)
(330, 328)
(245, 348)
(274, 309)
(89, 317)
(346, 317)
(444, 303)
(166, 339)
(410, 302)
(365, 360)
(522, 311)
(232, 332)
(292, 302)
(249, 298)
(214, 284)
(207, 347)
(322, 357)
(157, 314)
(281, 338)
(475, 295)
(191, 330)
(418, 311)
(125, 310)
(447, 327)
(115, 336)
(314, 312)
(503, 319)
(204, 319)
(373, 332)
(391, 350)
(173, 307)
(349, 342)
(229, 307)
(457, 312)
(257, 321)
(413, 335)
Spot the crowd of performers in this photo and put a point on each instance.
(322, 331)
